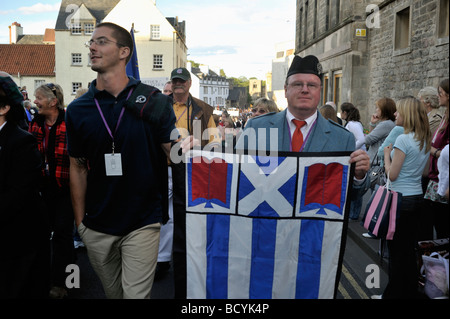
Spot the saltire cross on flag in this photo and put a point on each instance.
(265, 227)
(132, 67)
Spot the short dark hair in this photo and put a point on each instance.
(121, 35)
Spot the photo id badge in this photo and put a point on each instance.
(113, 164)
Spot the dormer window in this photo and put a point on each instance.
(75, 28)
(89, 28)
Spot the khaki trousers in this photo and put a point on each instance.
(125, 264)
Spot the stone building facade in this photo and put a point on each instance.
(372, 49)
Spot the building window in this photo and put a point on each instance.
(76, 59)
(75, 28)
(38, 83)
(333, 9)
(301, 27)
(315, 20)
(338, 11)
(402, 30)
(443, 17)
(305, 37)
(88, 28)
(75, 87)
(157, 61)
(155, 33)
(337, 84)
(325, 88)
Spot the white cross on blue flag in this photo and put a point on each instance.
(265, 227)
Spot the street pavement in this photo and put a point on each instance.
(352, 283)
(91, 287)
(360, 253)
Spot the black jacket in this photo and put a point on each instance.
(21, 208)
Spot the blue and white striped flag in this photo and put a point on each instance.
(260, 227)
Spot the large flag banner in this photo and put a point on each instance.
(265, 227)
(132, 67)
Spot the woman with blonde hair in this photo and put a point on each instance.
(404, 163)
(263, 106)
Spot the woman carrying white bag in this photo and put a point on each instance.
(405, 162)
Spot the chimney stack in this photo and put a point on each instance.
(15, 31)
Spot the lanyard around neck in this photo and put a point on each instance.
(306, 138)
(118, 121)
(188, 104)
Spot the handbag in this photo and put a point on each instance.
(381, 211)
(435, 269)
(376, 173)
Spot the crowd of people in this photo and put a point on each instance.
(79, 173)
(407, 144)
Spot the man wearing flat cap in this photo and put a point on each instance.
(188, 108)
(301, 128)
(190, 114)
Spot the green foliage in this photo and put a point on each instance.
(242, 81)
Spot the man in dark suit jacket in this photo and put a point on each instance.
(302, 91)
(24, 265)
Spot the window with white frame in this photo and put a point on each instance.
(76, 59)
(75, 28)
(75, 87)
(38, 83)
(157, 61)
(88, 28)
(155, 33)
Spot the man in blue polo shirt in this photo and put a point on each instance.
(118, 161)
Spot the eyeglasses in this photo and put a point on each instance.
(259, 111)
(178, 80)
(52, 87)
(299, 85)
(101, 42)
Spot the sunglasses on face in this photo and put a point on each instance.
(176, 80)
(259, 111)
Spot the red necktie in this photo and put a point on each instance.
(297, 138)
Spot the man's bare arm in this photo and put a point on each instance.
(78, 186)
